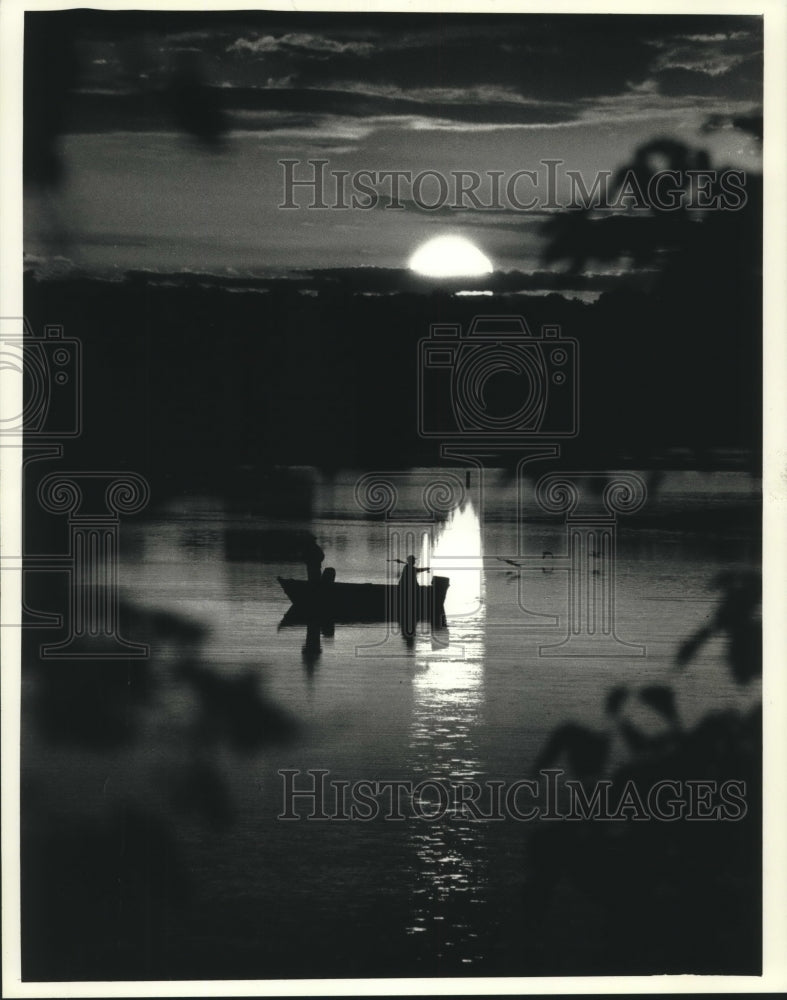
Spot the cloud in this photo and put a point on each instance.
(716, 64)
(202, 36)
(731, 36)
(647, 104)
(294, 41)
(648, 86)
(283, 125)
(484, 94)
(710, 54)
(355, 128)
(352, 129)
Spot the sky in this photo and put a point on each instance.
(168, 128)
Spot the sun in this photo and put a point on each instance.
(449, 257)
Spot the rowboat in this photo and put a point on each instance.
(370, 602)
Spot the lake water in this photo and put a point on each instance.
(474, 702)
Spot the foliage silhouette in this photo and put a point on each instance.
(657, 897)
(141, 751)
(738, 618)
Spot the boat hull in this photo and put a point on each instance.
(374, 602)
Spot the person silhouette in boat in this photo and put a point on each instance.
(313, 556)
(408, 579)
(409, 590)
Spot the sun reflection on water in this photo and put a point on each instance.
(448, 701)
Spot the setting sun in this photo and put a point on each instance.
(449, 257)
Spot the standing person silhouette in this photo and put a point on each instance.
(409, 597)
(313, 556)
